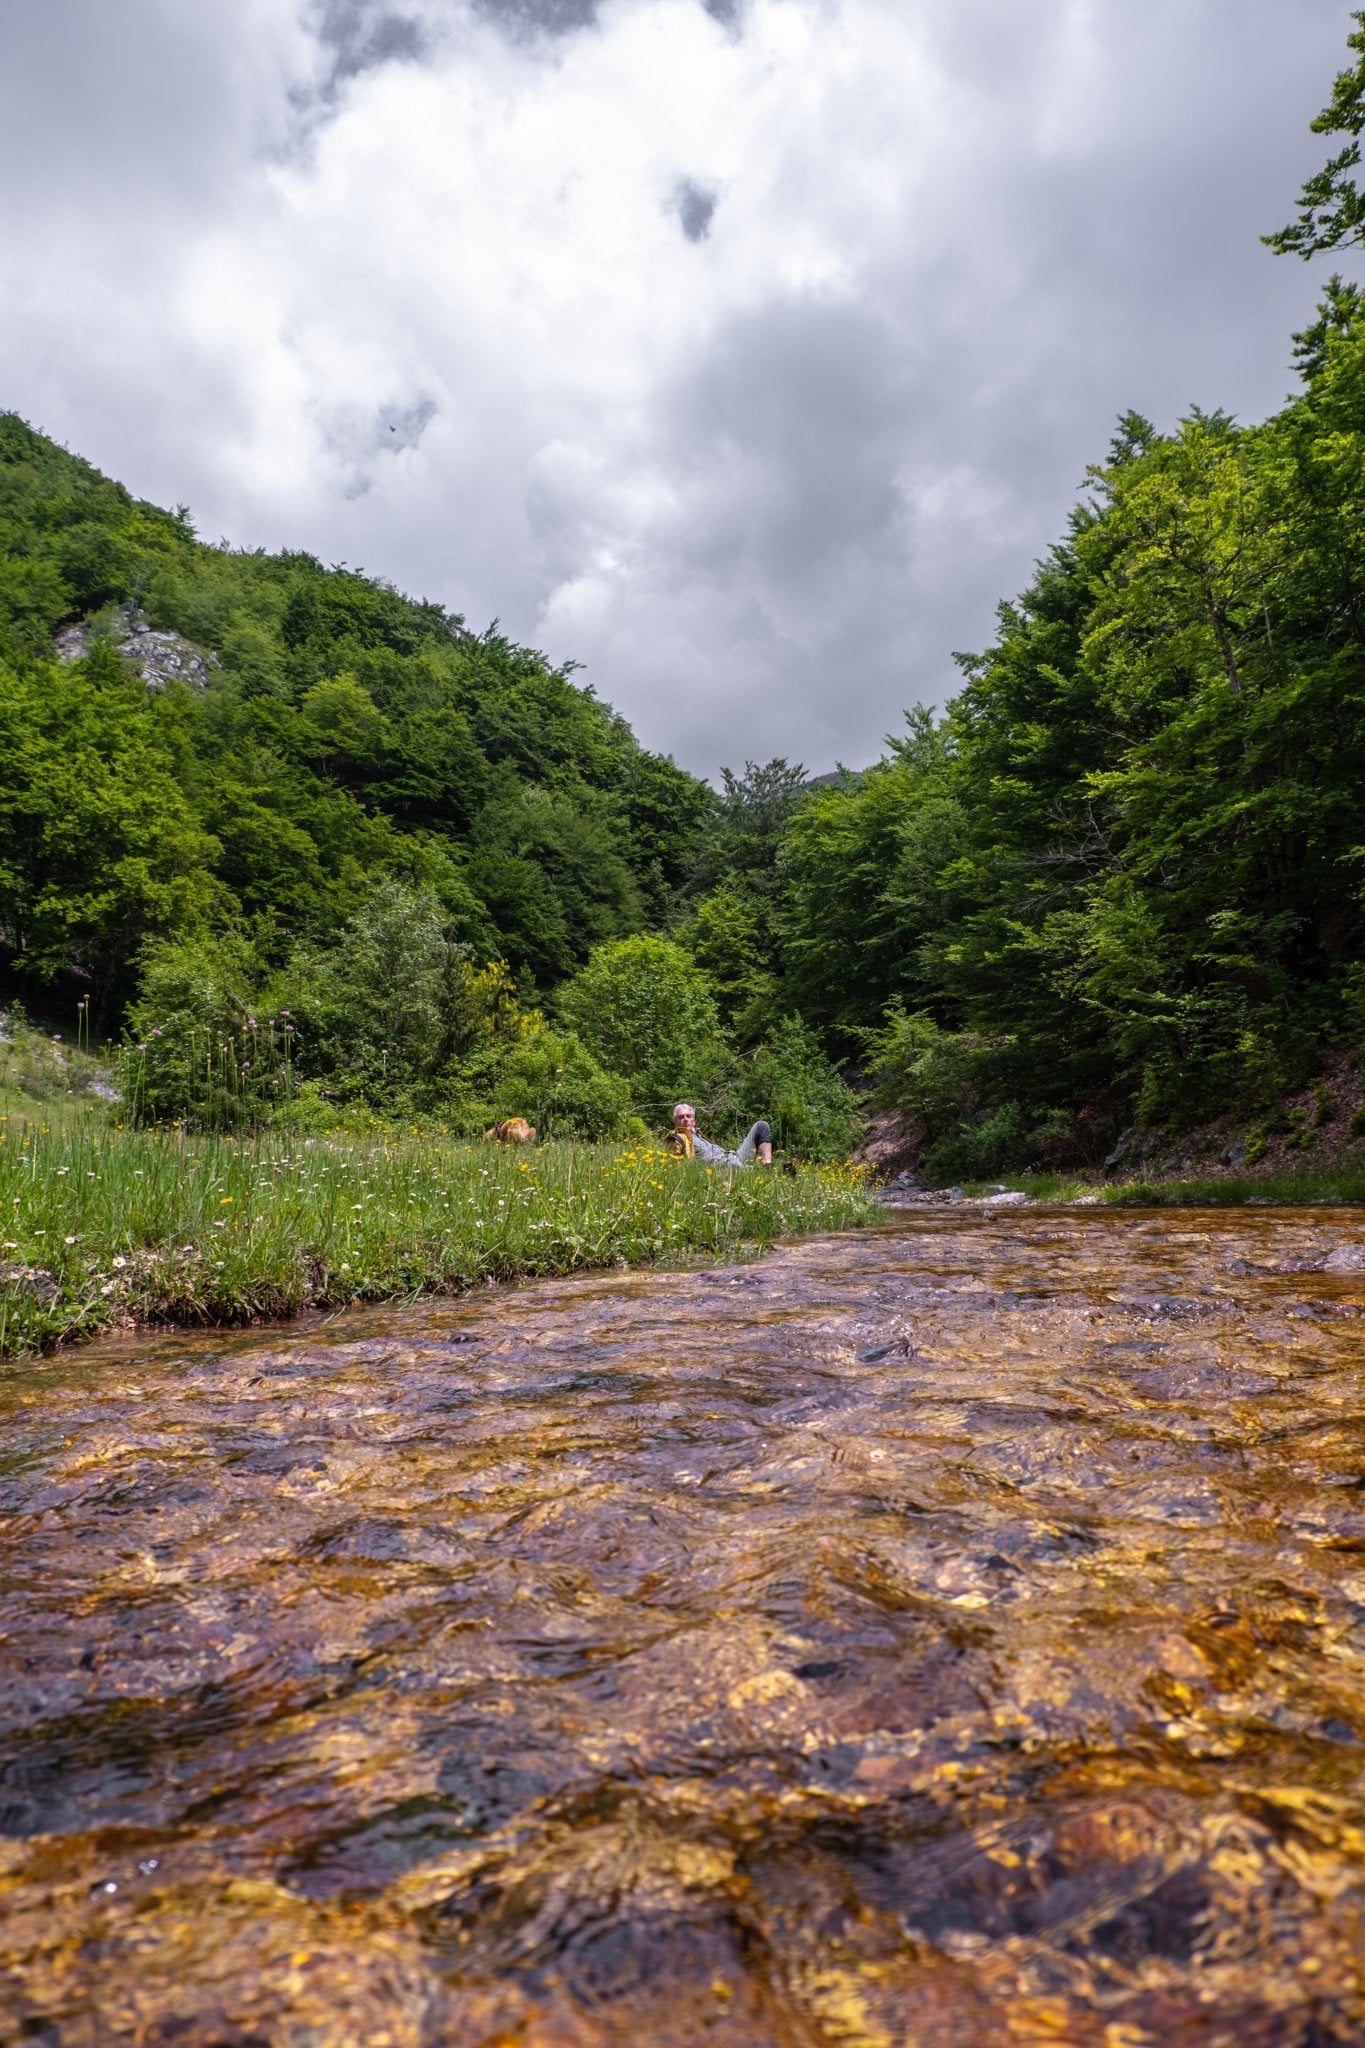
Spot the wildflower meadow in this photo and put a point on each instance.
(102, 1227)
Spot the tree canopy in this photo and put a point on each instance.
(345, 733)
(1331, 205)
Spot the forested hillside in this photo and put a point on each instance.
(369, 857)
(1121, 879)
(333, 848)
(1118, 883)
(346, 732)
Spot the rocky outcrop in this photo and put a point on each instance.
(160, 658)
(891, 1145)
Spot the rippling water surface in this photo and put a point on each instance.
(952, 1635)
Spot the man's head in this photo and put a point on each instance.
(684, 1117)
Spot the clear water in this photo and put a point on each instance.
(952, 1634)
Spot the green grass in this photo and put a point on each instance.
(56, 1080)
(1326, 1184)
(1040, 1187)
(1301, 1186)
(101, 1226)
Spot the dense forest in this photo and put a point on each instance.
(310, 846)
(352, 853)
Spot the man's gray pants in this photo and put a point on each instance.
(747, 1148)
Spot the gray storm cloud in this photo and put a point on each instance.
(748, 354)
(362, 36)
(696, 208)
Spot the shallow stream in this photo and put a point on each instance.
(946, 1636)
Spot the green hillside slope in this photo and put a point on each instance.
(344, 733)
(316, 849)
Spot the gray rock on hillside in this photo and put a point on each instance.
(160, 658)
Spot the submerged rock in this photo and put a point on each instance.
(1347, 1258)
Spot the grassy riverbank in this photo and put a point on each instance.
(1327, 1184)
(102, 1227)
(1304, 1185)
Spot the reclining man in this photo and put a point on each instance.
(758, 1140)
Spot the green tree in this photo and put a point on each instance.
(1331, 205)
(550, 870)
(643, 1007)
(862, 864)
(747, 825)
(724, 935)
(388, 1010)
(99, 848)
(342, 723)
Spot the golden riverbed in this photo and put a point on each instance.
(947, 1636)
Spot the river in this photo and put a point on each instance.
(946, 1636)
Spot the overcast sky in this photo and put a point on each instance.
(746, 351)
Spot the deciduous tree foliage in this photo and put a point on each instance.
(346, 733)
(1331, 205)
(343, 873)
(1122, 875)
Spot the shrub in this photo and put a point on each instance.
(371, 1009)
(788, 1080)
(552, 1079)
(395, 1011)
(202, 1049)
(1006, 1139)
(393, 1019)
(961, 1087)
(995, 1144)
(642, 1006)
(949, 1079)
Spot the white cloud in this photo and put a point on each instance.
(432, 287)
